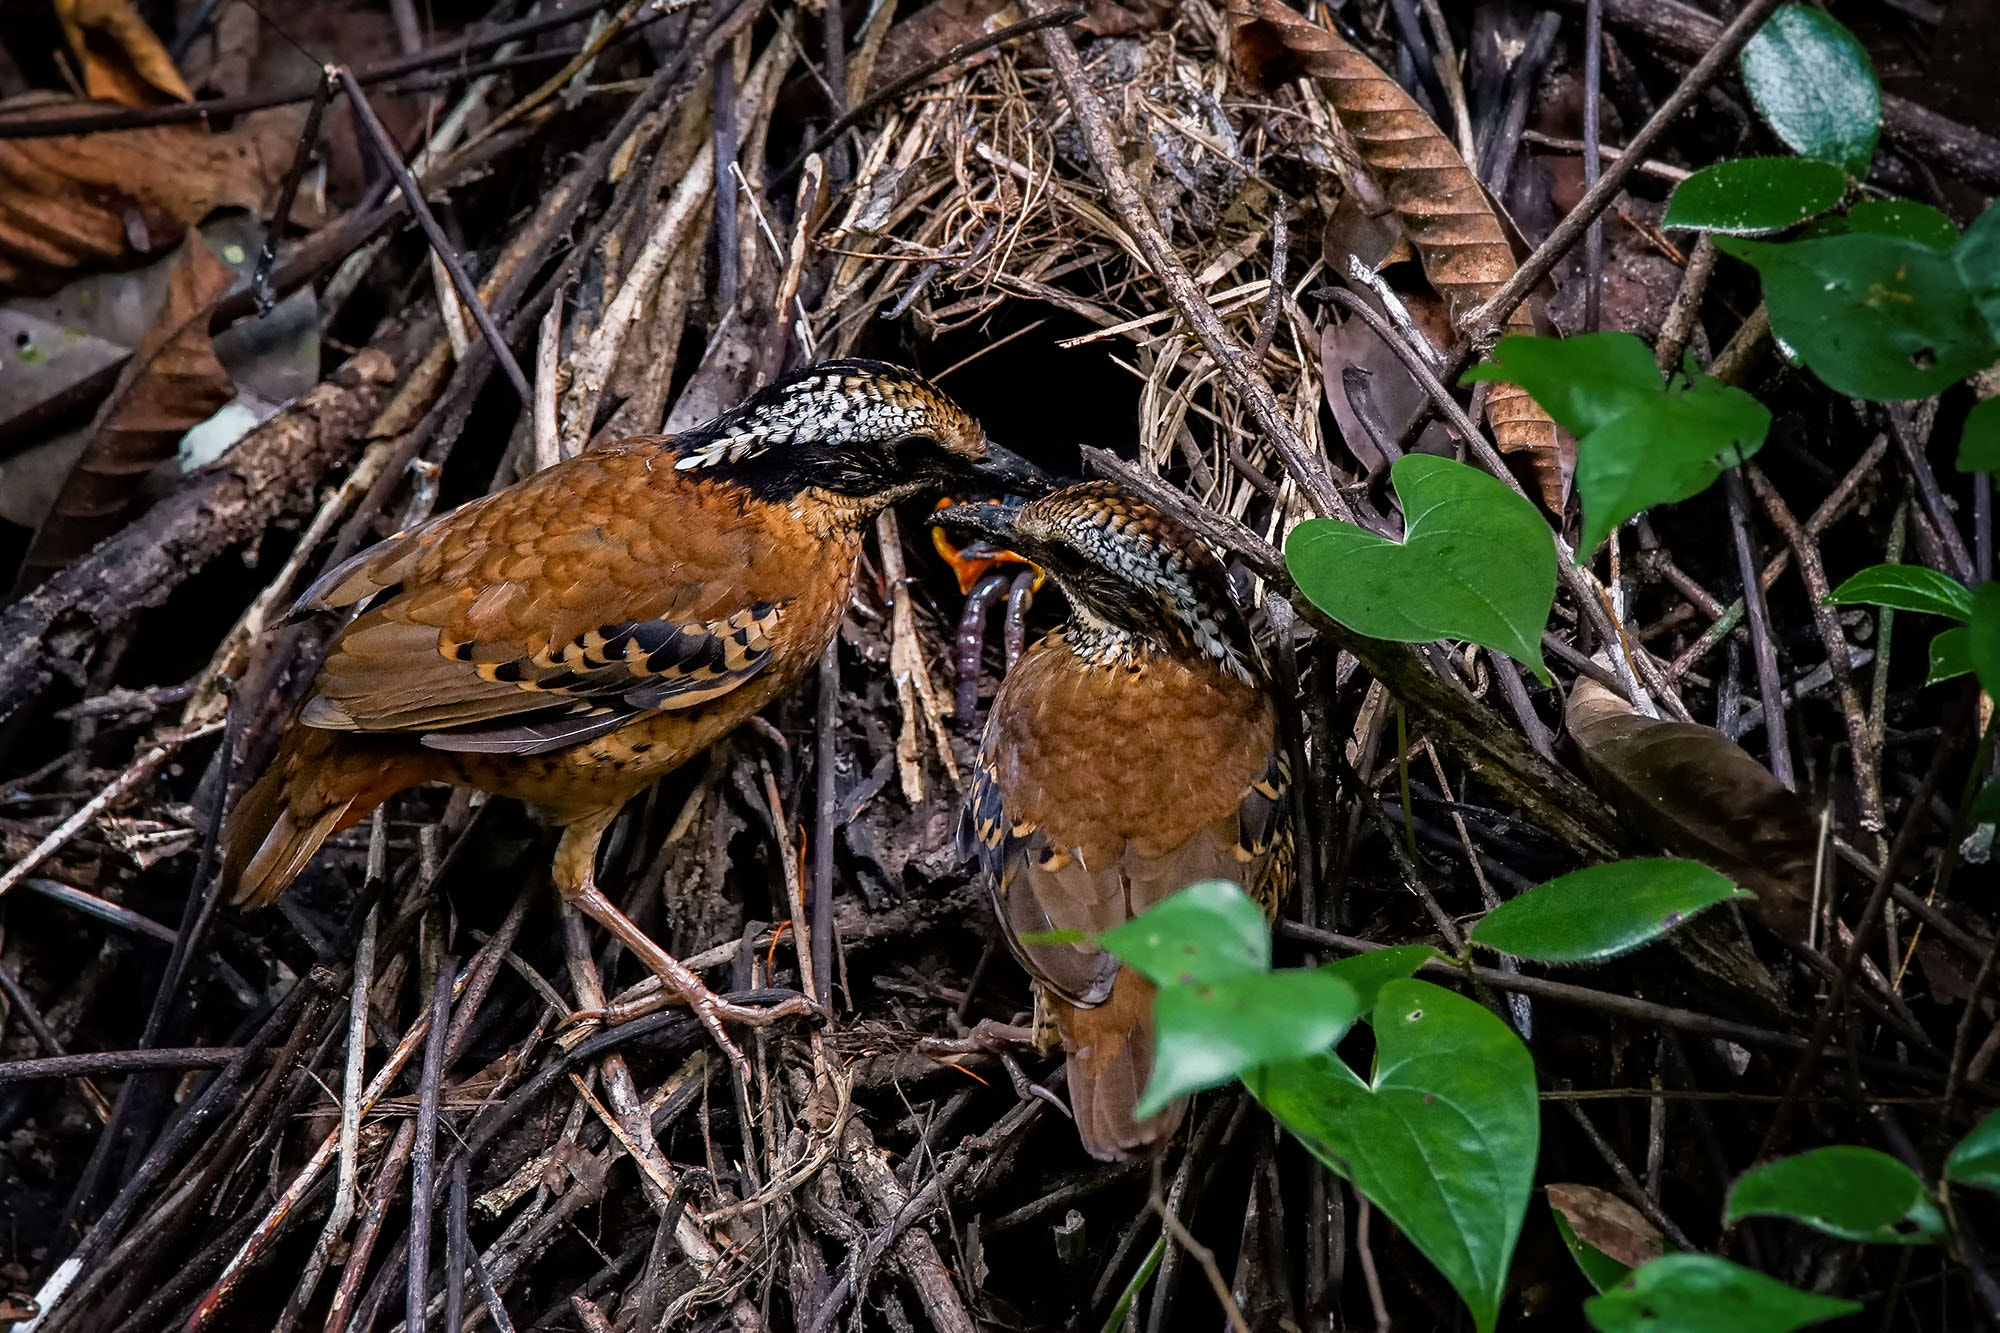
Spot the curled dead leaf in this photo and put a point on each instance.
(173, 381)
(76, 200)
(122, 58)
(1696, 792)
(1445, 213)
(1608, 1224)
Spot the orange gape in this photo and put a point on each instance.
(574, 638)
(1129, 754)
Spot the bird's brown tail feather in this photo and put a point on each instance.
(320, 783)
(1110, 1051)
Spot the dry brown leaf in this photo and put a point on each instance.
(173, 381)
(1608, 1224)
(1351, 348)
(1449, 220)
(95, 199)
(1696, 792)
(122, 59)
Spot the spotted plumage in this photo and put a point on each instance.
(1130, 753)
(573, 638)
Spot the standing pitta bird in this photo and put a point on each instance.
(579, 635)
(1132, 752)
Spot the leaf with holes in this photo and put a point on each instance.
(1846, 1191)
(1951, 655)
(1207, 1033)
(1699, 1293)
(1475, 563)
(1600, 912)
(1753, 196)
(1906, 588)
(1639, 442)
(1875, 317)
(1207, 932)
(1976, 1159)
(1979, 442)
(1443, 1137)
(1815, 86)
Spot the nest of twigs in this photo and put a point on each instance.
(255, 1130)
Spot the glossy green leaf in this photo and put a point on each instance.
(1476, 562)
(1875, 317)
(1986, 805)
(1979, 442)
(1752, 196)
(1983, 637)
(1906, 588)
(1699, 1293)
(1369, 972)
(1207, 1033)
(1600, 1268)
(1639, 442)
(1815, 86)
(1951, 655)
(1846, 1191)
(1443, 1138)
(1905, 218)
(1211, 931)
(1602, 911)
(1976, 1159)
(1978, 261)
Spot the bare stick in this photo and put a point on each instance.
(423, 1165)
(1769, 687)
(1484, 324)
(413, 195)
(1228, 353)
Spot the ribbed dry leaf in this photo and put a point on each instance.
(122, 59)
(1696, 792)
(94, 199)
(1607, 1223)
(1448, 218)
(173, 381)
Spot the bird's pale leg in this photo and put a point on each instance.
(576, 878)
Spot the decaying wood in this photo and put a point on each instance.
(273, 470)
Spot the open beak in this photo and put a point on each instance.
(980, 537)
(1007, 472)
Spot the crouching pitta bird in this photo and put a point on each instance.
(579, 635)
(1132, 752)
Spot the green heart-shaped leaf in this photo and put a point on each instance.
(1699, 1293)
(1905, 218)
(1977, 259)
(1906, 588)
(1983, 637)
(1476, 562)
(1443, 1138)
(1875, 317)
(1979, 442)
(1639, 442)
(1951, 655)
(1751, 196)
(1976, 1159)
(1602, 911)
(1846, 1191)
(1211, 931)
(1207, 1033)
(1369, 972)
(1815, 86)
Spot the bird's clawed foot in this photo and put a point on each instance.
(678, 980)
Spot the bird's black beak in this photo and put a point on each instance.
(1007, 472)
(989, 523)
